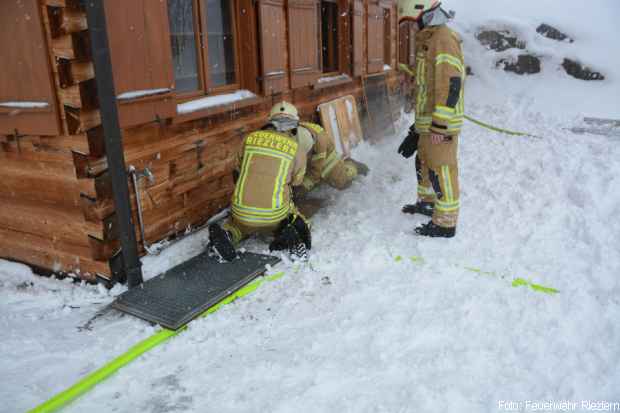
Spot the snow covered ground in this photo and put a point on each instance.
(359, 330)
(364, 327)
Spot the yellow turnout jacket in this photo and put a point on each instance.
(325, 162)
(270, 162)
(439, 81)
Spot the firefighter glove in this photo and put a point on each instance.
(300, 192)
(410, 143)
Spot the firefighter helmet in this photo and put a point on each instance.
(414, 9)
(284, 110)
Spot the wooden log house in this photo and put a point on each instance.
(191, 78)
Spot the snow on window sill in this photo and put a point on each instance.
(334, 78)
(24, 105)
(213, 105)
(211, 102)
(14, 108)
(137, 94)
(332, 81)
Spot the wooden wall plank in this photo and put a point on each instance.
(53, 222)
(74, 72)
(66, 20)
(72, 46)
(46, 253)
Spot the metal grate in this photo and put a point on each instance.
(179, 295)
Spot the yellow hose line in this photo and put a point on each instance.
(500, 130)
(87, 383)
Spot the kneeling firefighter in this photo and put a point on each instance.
(272, 160)
(325, 163)
(439, 84)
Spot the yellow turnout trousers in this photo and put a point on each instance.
(241, 229)
(438, 178)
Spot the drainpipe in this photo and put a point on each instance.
(128, 264)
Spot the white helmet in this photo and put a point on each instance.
(414, 9)
(284, 109)
(284, 117)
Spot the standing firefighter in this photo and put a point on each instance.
(439, 81)
(272, 161)
(325, 163)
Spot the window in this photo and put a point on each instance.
(329, 36)
(221, 42)
(184, 41)
(204, 48)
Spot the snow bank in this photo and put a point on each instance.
(595, 30)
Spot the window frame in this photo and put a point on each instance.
(199, 20)
(344, 39)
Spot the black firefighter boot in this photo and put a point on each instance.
(221, 243)
(288, 237)
(420, 207)
(430, 229)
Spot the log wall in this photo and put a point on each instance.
(57, 209)
(49, 212)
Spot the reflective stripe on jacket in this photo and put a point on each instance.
(262, 195)
(324, 156)
(440, 80)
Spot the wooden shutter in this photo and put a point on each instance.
(359, 66)
(272, 33)
(248, 42)
(303, 42)
(393, 41)
(139, 36)
(403, 43)
(27, 99)
(375, 37)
